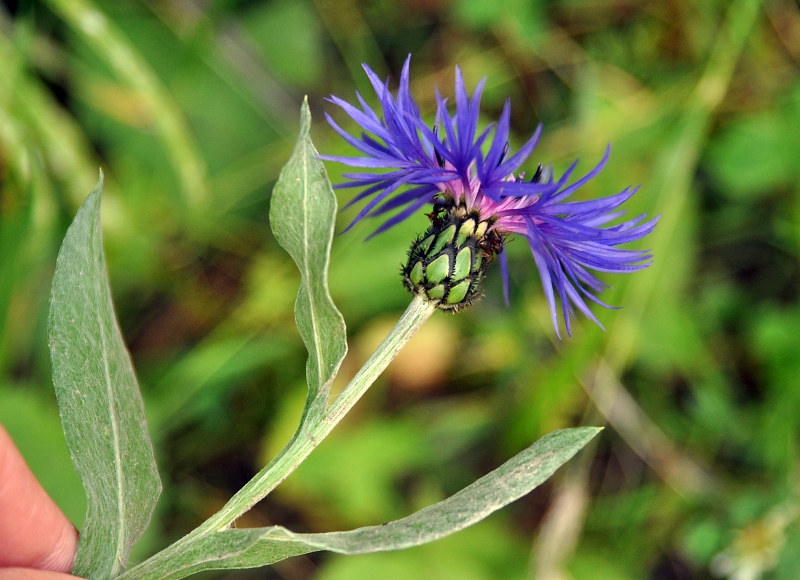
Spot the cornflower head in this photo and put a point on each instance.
(468, 179)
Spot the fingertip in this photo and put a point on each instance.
(62, 553)
(28, 574)
(34, 532)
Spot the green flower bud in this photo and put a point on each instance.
(446, 264)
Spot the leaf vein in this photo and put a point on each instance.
(307, 274)
(115, 434)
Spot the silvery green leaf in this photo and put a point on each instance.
(302, 216)
(249, 548)
(101, 408)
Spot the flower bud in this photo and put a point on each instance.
(447, 262)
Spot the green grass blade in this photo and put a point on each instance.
(99, 401)
(302, 216)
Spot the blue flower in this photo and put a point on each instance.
(409, 165)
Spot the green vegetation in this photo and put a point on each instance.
(191, 109)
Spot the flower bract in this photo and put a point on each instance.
(465, 173)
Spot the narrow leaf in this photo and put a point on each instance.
(302, 216)
(515, 478)
(249, 548)
(101, 408)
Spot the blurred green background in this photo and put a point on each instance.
(191, 107)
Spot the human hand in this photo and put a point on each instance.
(37, 541)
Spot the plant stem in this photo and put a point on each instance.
(308, 435)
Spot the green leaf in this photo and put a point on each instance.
(509, 482)
(101, 408)
(249, 548)
(302, 216)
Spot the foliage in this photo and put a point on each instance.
(99, 401)
(696, 375)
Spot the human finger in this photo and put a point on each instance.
(34, 533)
(28, 574)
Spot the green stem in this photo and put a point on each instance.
(309, 434)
